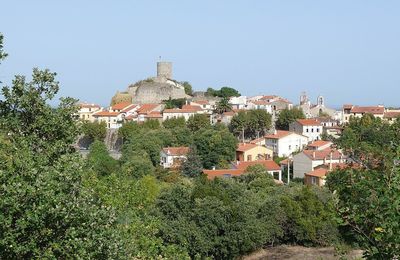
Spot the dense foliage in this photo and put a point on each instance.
(226, 218)
(224, 92)
(45, 210)
(288, 116)
(250, 124)
(368, 194)
(94, 130)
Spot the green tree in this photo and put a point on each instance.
(151, 124)
(46, 212)
(215, 146)
(374, 181)
(250, 124)
(99, 159)
(288, 116)
(138, 165)
(3, 55)
(224, 92)
(184, 137)
(174, 122)
(174, 103)
(197, 122)
(94, 130)
(223, 106)
(192, 167)
(128, 129)
(188, 88)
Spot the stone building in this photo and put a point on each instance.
(315, 110)
(154, 89)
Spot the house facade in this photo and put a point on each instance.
(284, 143)
(86, 111)
(173, 157)
(247, 152)
(307, 160)
(311, 128)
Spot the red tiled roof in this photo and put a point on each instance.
(146, 108)
(319, 143)
(308, 122)
(269, 97)
(181, 150)
(191, 107)
(201, 102)
(320, 172)
(211, 174)
(106, 113)
(368, 110)
(128, 108)
(279, 134)
(177, 110)
(242, 147)
(154, 114)
(269, 165)
(323, 154)
(121, 105)
(391, 114)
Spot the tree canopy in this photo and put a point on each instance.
(367, 192)
(224, 92)
(288, 116)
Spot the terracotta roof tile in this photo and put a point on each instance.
(146, 108)
(319, 143)
(323, 154)
(368, 110)
(106, 113)
(308, 122)
(121, 105)
(279, 134)
(269, 165)
(242, 147)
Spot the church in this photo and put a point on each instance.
(315, 110)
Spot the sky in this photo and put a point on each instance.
(347, 51)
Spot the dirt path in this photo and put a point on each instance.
(300, 253)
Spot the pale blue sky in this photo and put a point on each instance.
(348, 51)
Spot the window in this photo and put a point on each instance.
(248, 157)
(312, 130)
(307, 130)
(313, 180)
(290, 147)
(317, 130)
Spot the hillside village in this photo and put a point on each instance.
(302, 151)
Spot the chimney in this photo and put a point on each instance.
(313, 155)
(213, 168)
(275, 132)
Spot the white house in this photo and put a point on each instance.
(260, 104)
(86, 111)
(185, 112)
(172, 157)
(113, 120)
(238, 102)
(284, 143)
(307, 160)
(311, 128)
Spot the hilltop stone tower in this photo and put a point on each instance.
(164, 69)
(154, 89)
